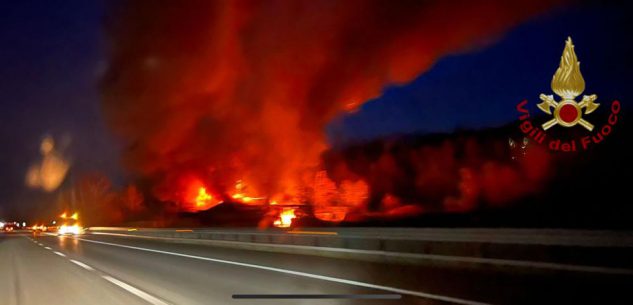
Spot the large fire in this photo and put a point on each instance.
(221, 91)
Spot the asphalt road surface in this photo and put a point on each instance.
(98, 269)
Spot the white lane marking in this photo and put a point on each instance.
(139, 293)
(433, 257)
(82, 265)
(143, 295)
(304, 274)
(47, 248)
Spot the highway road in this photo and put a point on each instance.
(101, 269)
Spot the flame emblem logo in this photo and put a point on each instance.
(568, 84)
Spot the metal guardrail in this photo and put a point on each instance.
(582, 238)
(602, 249)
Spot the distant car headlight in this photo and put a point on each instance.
(74, 229)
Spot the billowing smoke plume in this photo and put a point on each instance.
(226, 91)
(49, 172)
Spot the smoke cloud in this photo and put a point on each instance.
(241, 90)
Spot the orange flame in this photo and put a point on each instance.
(203, 198)
(285, 218)
(245, 199)
(241, 196)
(199, 197)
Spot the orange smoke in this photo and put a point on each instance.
(231, 90)
(333, 203)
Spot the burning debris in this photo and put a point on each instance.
(285, 218)
(222, 101)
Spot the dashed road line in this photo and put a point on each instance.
(129, 288)
(82, 265)
(304, 274)
(133, 290)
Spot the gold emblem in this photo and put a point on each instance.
(568, 84)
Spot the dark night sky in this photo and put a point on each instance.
(52, 55)
(481, 88)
